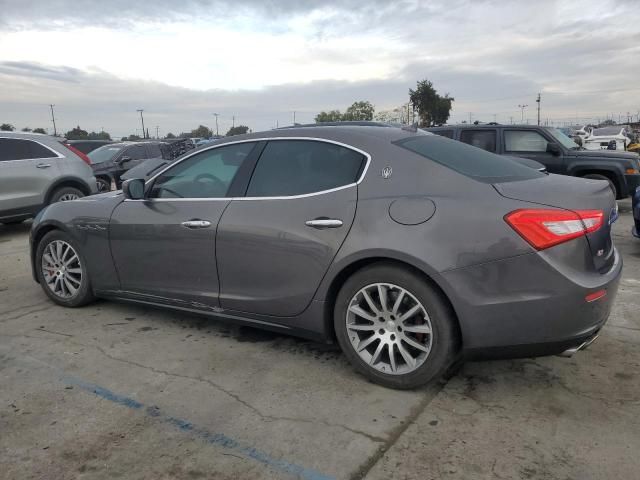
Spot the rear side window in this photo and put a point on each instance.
(154, 151)
(444, 133)
(524, 141)
(297, 167)
(484, 139)
(470, 161)
(19, 149)
(137, 152)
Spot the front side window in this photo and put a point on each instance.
(104, 154)
(137, 152)
(205, 175)
(297, 167)
(154, 150)
(19, 149)
(524, 141)
(484, 139)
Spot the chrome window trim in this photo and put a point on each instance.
(58, 155)
(285, 197)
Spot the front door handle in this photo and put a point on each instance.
(324, 223)
(196, 224)
(43, 165)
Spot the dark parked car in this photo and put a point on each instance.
(111, 161)
(553, 149)
(409, 249)
(635, 203)
(86, 146)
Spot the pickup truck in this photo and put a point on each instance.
(554, 150)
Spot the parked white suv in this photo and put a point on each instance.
(36, 170)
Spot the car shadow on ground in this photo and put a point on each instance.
(7, 230)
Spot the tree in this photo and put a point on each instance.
(331, 116)
(39, 130)
(170, 135)
(362, 110)
(433, 109)
(608, 122)
(26, 129)
(133, 138)
(201, 131)
(99, 136)
(76, 134)
(239, 130)
(7, 127)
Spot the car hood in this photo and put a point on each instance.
(613, 154)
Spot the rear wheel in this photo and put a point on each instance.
(394, 327)
(65, 194)
(62, 270)
(597, 176)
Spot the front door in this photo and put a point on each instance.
(164, 245)
(275, 245)
(532, 144)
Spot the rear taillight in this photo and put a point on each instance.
(544, 228)
(82, 155)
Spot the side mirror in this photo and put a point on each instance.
(133, 189)
(122, 160)
(553, 148)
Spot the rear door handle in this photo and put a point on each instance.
(324, 223)
(196, 224)
(43, 165)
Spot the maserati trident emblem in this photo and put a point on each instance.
(386, 172)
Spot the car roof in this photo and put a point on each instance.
(31, 135)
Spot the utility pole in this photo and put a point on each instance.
(538, 102)
(216, 115)
(470, 114)
(511, 120)
(233, 122)
(142, 120)
(522, 107)
(53, 118)
(157, 130)
(495, 118)
(294, 117)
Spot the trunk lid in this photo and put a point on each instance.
(571, 193)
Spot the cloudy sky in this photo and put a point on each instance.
(260, 60)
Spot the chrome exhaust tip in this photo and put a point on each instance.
(570, 352)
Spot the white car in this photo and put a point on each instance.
(606, 137)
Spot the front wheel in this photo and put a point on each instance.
(394, 327)
(62, 270)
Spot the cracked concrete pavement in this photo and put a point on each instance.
(123, 391)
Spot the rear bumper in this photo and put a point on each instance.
(523, 306)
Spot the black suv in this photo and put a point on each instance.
(553, 149)
(111, 161)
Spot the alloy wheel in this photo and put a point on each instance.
(68, 196)
(61, 269)
(389, 328)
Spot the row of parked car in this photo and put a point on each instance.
(36, 170)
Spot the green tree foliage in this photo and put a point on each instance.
(26, 129)
(124, 139)
(201, 131)
(608, 122)
(331, 116)
(99, 136)
(7, 127)
(433, 109)
(170, 135)
(39, 130)
(237, 130)
(363, 110)
(134, 138)
(77, 134)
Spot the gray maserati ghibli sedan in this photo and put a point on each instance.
(411, 250)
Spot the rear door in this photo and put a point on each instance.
(485, 139)
(274, 245)
(532, 144)
(27, 169)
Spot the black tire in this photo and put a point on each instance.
(84, 293)
(597, 176)
(59, 194)
(104, 185)
(445, 338)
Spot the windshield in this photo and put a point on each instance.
(607, 131)
(104, 154)
(562, 139)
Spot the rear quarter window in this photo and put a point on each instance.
(467, 160)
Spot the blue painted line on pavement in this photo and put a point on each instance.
(218, 439)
